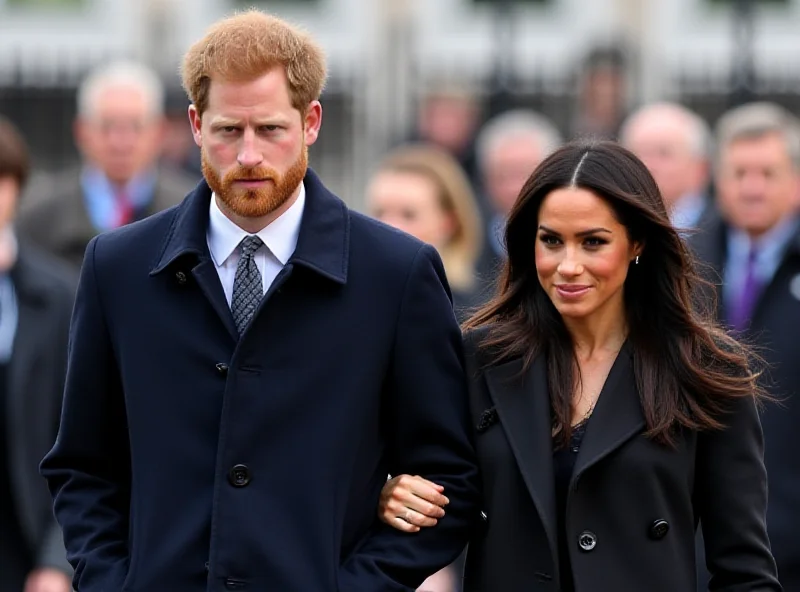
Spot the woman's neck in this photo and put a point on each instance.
(599, 334)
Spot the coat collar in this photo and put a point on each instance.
(323, 244)
(617, 416)
(522, 399)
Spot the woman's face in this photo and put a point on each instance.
(410, 202)
(582, 254)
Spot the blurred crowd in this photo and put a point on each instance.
(732, 188)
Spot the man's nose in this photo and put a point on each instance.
(249, 155)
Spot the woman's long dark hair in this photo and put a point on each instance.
(687, 369)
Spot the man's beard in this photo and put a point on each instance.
(255, 203)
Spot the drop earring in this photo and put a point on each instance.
(637, 259)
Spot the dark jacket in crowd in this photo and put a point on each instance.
(774, 330)
(633, 504)
(54, 216)
(190, 459)
(32, 391)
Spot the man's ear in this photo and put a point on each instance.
(196, 122)
(312, 122)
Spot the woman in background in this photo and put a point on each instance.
(423, 191)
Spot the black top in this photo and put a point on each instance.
(14, 556)
(563, 466)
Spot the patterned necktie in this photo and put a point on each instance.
(248, 289)
(745, 301)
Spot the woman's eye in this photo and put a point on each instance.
(595, 242)
(549, 240)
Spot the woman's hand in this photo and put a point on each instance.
(411, 502)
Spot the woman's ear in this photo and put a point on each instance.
(638, 247)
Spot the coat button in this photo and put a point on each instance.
(587, 540)
(180, 277)
(222, 368)
(659, 529)
(239, 476)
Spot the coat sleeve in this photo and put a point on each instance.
(88, 468)
(731, 497)
(428, 434)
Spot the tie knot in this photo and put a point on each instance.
(250, 244)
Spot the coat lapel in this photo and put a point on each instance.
(617, 416)
(523, 405)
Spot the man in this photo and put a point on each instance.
(674, 143)
(35, 305)
(247, 368)
(754, 248)
(119, 129)
(509, 147)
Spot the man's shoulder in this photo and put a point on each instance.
(48, 193)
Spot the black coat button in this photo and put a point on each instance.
(587, 540)
(239, 476)
(659, 529)
(222, 368)
(180, 277)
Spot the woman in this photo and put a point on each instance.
(610, 416)
(424, 192)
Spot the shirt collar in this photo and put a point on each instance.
(280, 236)
(139, 190)
(769, 244)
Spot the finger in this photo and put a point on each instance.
(436, 486)
(427, 490)
(417, 519)
(401, 524)
(408, 499)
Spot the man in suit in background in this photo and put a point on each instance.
(674, 143)
(36, 298)
(118, 130)
(753, 246)
(246, 369)
(508, 147)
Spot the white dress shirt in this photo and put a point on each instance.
(279, 238)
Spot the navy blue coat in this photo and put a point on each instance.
(189, 459)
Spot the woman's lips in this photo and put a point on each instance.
(572, 291)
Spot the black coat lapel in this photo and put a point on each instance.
(523, 405)
(617, 416)
(207, 277)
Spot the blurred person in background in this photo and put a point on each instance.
(449, 117)
(602, 100)
(423, 191)
(178, 149)
(508, 147)
(674, 143)
(36, 296)
(753, 248)
(609, 415)
(118, 130)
